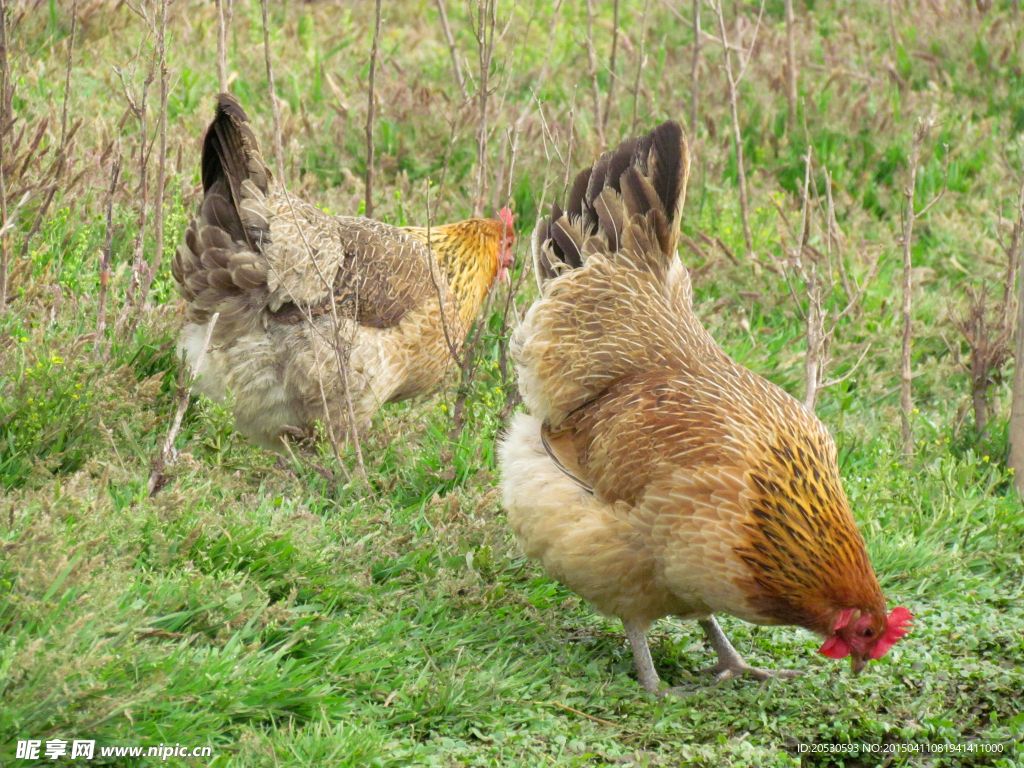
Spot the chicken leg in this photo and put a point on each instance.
(730, 663)
(637, 636)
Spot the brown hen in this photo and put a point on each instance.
(653, 475)
(308, 301)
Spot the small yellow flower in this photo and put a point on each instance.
(56, 360)
(74, 397)
(444, 407)
(984, 458)
(1009, 470)
(24, 339)
(916, 411)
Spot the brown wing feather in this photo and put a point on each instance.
(253, 251)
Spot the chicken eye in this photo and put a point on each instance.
(867, 632)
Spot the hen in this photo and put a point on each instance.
(311, 304)
(653, 475)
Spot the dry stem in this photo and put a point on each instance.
(906, 377)
(483, 29)
(140, 109)
(791, 73)
(450, 39)
(732, 82)
(67, 77)
(5, 76)
(592, 64)
(611, 68)
(101, 311)
(275, 110)
(161, 175)
(167, 454)
(641, 61)
(368, 197)
(1016, 437)
(336, 326)
(695, 72)
(222, 47)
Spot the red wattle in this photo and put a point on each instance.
(835, 648)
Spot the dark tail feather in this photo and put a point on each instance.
(219, 266)
(231, 155)
(643, 178)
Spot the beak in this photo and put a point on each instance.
(857, 663)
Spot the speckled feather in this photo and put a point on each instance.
(281, 273)
(710, 489)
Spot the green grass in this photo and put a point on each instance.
(287, 615)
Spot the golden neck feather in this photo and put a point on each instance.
(467, 252)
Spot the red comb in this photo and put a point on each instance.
(897, 625)
(506, 217)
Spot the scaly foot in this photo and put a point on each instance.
(731, 664)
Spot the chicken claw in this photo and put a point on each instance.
(730, 664)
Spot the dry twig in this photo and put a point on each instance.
(101, 311)
(611, 68)
(1016, 436)
(452, 49)
(732, 80)
(168, 454)
(791, 73)
(921, 133)
(5, 86)
(222, 45)
(336, 341)
(161, 174)
(368, 197)
(695, 72)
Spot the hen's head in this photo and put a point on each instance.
(865, 636)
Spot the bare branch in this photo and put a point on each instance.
(611, 69)
(849, 373)
(450, 39)
(161, 175)
(641, 62)
(99, 346)
(275, 110)
(1016, 436)
(791, 74)
(67, 77)
(592, 64)
(328, 285)
(167, 454)
(732, 82)
(695, 73)
(924, 126)
(5, 88)
(222, 46)
(368, 194)
(483, 28)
